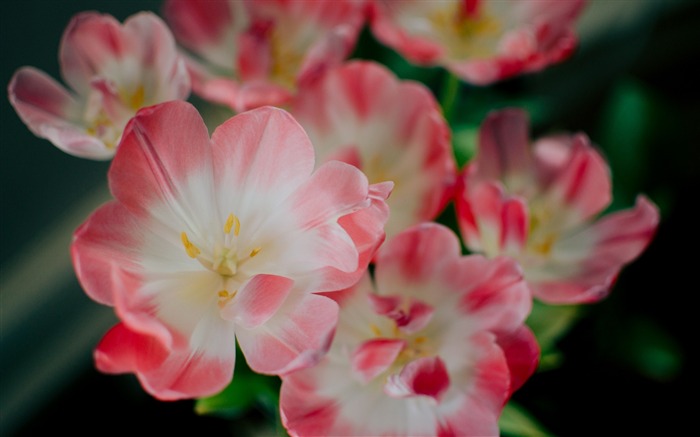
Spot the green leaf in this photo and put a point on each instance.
(464, 143)
(650, 350)
(550, 322)
(245, 392)
(628, 127)
(517, 422)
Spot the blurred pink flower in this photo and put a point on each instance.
(538, 204)
(362, 114)
(255, 53)
(113, 70)
(215, 241)
(437, 349)
(481, 41)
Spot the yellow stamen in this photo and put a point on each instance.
(232, 222)
(137, 98)
(255, 251)
(225, 297)
(229, 224)
(237, 226)
(420, 340)
(545, 247)
(190, 248)
(375, 329)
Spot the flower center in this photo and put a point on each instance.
(463, 33)
(225, 259)
(285, 60)
(542, 234)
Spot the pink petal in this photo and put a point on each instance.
(198, 25)
(167, 375)
(50, 112)
(161, 148)
(522, 353)
(160, 59)
(466, 220)
(252, 94)
(122, 350)
(258, 301)
(585, 265)
(495, 297)
(415, 256)
(417, 49)
(329, 51)
(425, 376)
(410, 315)
(306, 413)
(504, 145)
(89, 42)
(478, 411)
(272, 153)
(335, 190)
(584, 183)
(211, 87)
(515, 224)
(296, 337)
(102, 248)
(492, 221)
(373, 357)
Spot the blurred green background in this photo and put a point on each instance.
(626, 366)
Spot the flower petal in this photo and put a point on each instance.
(585, 264)
(522, 353)
(495, 295)
(373, 357)
(272, 153)
(417, 255)
(102, 248)
(167, 375)
(50, 112)
(583, 186)
(89, 42)
(258, 301)
(296, 337)
(425, 376)
(163, 148)
(207, 28)
(504, 148)
(395, 129)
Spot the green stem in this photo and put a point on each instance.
(450, 91)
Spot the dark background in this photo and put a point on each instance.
(627, 366)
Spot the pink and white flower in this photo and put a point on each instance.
(362, 114)
(213, 241)
(255, 53)
(113, 70)
(435, 346)
(538, 203)
(481, 41)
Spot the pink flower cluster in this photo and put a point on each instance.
(261, 234)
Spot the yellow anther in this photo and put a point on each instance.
(545, 247)
(232, 222)
(225, 297)
(190, 248)
(229, 224)
(255, 251)
(375, 329)
(137, 99)
(420, 340)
